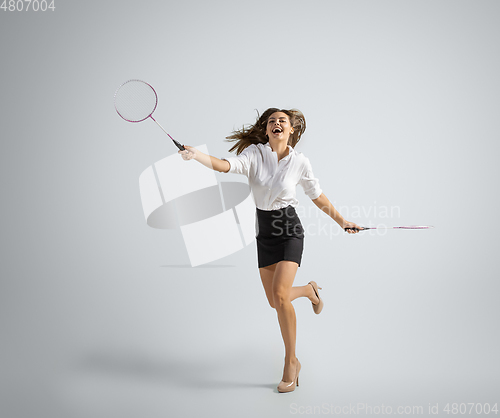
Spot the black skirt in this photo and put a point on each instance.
(280, 236)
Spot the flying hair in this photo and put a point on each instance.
(256, 133)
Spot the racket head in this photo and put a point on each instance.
(135, 100)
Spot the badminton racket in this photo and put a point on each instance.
(363, 228)
(135, 101)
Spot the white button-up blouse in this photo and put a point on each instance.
(273, 183)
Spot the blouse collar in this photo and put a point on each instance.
(290, 149)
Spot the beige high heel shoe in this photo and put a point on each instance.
(318, 306)
(290, 386)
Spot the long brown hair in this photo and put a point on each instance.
(256, 133)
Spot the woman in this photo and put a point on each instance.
(266, 155)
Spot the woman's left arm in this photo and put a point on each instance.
(325, 205)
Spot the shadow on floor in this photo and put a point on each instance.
(193, 374)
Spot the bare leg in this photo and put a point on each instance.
(277, 280)
(306, 291)
(284, 276)
(267, 275)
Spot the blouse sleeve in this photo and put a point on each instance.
(309, 183)
(240, 164)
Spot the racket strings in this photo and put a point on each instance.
(135, 100)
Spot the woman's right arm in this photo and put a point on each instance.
(214, 163)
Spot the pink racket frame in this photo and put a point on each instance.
(180, 146)
(149, 116)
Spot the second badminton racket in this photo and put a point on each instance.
(394, 227)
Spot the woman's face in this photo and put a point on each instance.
(279, 126)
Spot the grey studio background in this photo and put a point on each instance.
(102, 316)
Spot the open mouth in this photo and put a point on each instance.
(277, 130)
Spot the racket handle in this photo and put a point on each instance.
(181, 147)
(178, 145)
(360, 229)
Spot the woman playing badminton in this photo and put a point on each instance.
(266, 155)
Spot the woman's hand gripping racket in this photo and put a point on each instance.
(352, 228)
(189, 153)
(135, 101)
